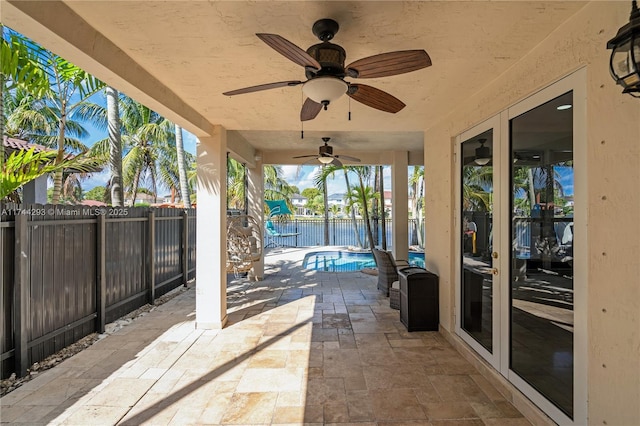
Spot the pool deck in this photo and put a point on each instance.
(301, 347)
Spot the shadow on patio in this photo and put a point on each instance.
(300, 347)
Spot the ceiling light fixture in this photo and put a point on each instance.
(325, 160)
(564, 107)
(325, 90)
(625, 58)
(483, 154)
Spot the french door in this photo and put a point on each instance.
(520, 302)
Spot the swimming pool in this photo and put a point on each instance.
(346, 261)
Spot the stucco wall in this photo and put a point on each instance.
(613, 207)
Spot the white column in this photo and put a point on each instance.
(255, 196)
(211, 237)
(400, 206)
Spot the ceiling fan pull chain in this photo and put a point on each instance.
(349, 108)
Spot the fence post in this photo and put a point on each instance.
(152, 257)
(101, 282)
(21, 295)
(185, 247)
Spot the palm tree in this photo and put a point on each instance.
(529, 182)
(416, 183)
(382, 212)
(68, 98)
(150, 156)
(20, 68)
(115, 147)
(361, 196)
(22, 167)
(320, 180)
(236, 183)
(28, 119)
(364, 195)
(182, 171)
(477, 186)
(275, 187)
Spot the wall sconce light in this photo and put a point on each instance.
(625, 58)
(483, 154)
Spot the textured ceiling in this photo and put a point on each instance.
(199, 49)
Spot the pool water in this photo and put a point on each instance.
(346, 261)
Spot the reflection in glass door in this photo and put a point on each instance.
(476, 316)
(541, 299)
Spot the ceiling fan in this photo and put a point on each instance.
(325, 155)
(326, 72)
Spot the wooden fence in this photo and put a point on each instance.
(68, 270)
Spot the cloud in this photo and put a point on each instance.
(302, 177)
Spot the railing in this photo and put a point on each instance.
(68, 270)
(342, 232)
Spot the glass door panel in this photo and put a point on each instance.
(541, 292)
(476, 293)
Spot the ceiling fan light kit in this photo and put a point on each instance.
(483, 154)
(324, 90)
(325, 71)
(325, 155)
(325, 160)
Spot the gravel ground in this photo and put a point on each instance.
(13, 382)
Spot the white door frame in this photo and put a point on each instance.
(499, 359)
(491, 123)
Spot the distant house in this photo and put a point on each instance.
(337, 200)
(299, 203)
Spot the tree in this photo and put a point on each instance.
(330, 170)
(99, 193)
(314, 200)
(416, 185)
(115, 147)
(362, 195)
(67, 98)
(320, 180)
(349, 207)
(150, 155)
(182, 170)
(382, 212)
(477, 186)
(236, 182)
(275, 187)
(24, 166)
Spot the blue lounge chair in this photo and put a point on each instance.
(271, 233)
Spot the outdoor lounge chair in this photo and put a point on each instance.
(387, 269)
(271, 233)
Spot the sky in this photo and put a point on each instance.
(303, 177)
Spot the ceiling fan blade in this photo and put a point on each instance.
(336, 162)
(306, 156)
(262, 87)
(310, 110)
(289, 50)
(375, 98)
(391, 63)
(346, 157)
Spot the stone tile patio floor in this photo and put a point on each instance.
(300, 347)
